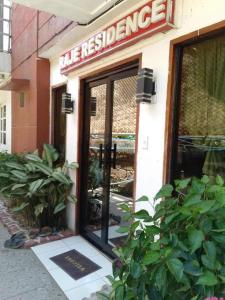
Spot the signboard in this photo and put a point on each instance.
(153, 17)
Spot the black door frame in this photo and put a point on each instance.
(108, 79)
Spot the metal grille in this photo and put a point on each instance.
(202, 109)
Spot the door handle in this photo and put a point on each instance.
(114, 155)
(100, 155)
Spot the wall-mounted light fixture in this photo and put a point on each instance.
(67, 103)
(145, 86)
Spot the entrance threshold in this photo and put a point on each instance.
(81, 288)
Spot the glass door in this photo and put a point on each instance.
(108, 162)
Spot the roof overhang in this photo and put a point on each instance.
(75, 10)
(14, 84)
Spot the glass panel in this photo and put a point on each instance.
(123, 153)
(4, 139)
(201, 130)
(6, 13)
(4, 125)
(6, 27)
(4, 111)
(96, 158)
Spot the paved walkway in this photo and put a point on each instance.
(22, 276)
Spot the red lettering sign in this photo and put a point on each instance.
(153, 17)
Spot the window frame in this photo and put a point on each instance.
(173, 92)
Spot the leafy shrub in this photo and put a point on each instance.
(179, 253)
(39, 186)
(6, 157)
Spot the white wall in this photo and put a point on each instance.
(191, 15)
(5, 99)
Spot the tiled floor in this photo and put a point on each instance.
(75, 289)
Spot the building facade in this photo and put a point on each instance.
(127, 149)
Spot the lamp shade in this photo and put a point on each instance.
(145, 86)
(67, 103)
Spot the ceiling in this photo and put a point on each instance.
(81, 11)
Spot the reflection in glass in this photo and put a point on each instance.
(201, 132)
(96, 158)
(123, 154)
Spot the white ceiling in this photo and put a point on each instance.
(77, 10)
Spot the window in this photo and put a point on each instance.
(5, 25)
(3, 125)
(200, 112)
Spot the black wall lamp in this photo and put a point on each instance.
(67, 103)
(145, 86)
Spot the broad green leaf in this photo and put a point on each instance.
(219, 238)
(176, 268)
(20, 175)
(4, 175)
(143, 199)
(72, 198)
(35, 185)
(39, 208)
(123, 229)
(14, 165)
(166, 191)
(205, 179)
(205, 206)
(182, 184)
(61, 206)
(20, 207)
(142, 214)
(195, 237)
(135, 270)
(44, 169)
(119, 293)
(210, 250)
(152, 230)
(125, 207)
(208, 279)
(151, 257)
(192, 268)
(33, 157)
(50, 154)
(161, 279)
(18, 186)
(219, 180)
(171, 217)
(207, 262)
(192, 199)
(59, 176)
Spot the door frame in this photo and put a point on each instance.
(118, 72)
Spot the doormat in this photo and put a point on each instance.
(119, 241)
(75, 264)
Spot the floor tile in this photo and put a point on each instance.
(48, 247)
(74, 240)
(66, 282)
(85, 290)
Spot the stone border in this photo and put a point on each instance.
(13, 226)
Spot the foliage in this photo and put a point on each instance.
(38, 185)
(6, 157)
(179, 252)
